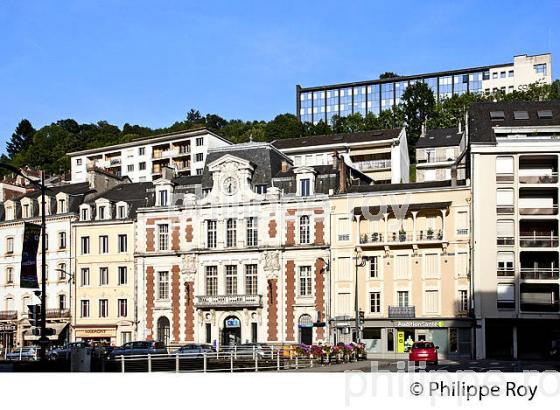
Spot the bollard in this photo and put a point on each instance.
(231, 362)
(177, 367)
(254, 352)
(278, 360)
(235, 351)
(122, 363)
(311, 363)
(297, 362)
(256, 363)
(149, 363)
(204, 362)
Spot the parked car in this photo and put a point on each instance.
(23, 353)
(423, 352)
(139, 348)
(196, 350)
(63, 353)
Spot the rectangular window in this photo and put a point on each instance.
(103, 307)
(305, 281)
(103, 244)
(199, 171)
(504, 200)
(62, 302)
(84, 214)
(211, 281)
(10, 245)
(123, 243)
(506, 296)
(304, 230)
(101, 213)
(25, 211)
(305, 187)
(61, 206)
(199, 157)
(79, 162)
(84, 308)
(142, 166)
(462, 264)
(401, 266)
(200, 141)
(231, 233)
(374, 267)
(231, 280)
(375, 302)
(126, 337)
(141, 151)
(431, 301)
(163, 285)
(261, 188)
(211, 233)
(504, 232)
(62, 240)
(84, 276)
(402, 298)
(123, 275)
(123, 307)
(463, 301)
(163, 237)
(462, 223)
(505, 264)
(121, 212)
(250, 279)
(252, 231)
(103, 276)
(504, 169)
(163, 197)
(510, 73)
(343, 229)
(540, 69)
(431, 265)
(9, 275)
(130, 168)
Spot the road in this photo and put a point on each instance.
(444, 365)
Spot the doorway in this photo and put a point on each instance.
(305, 325)
(231, 334)
(163, 330)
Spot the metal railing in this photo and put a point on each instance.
(401, 237)
(228, 300)
(429, 159)
(539, 273)
(505, 272)
(8, 314)
(551, 178)
(540, 210)
(57, 313)
(234, 359)
(538, 241)
(401, 312)
(372, 164)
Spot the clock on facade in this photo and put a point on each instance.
(230, 185)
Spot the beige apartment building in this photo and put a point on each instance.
(408, 247)
(514, 165)
(104, 266)
(438, 151)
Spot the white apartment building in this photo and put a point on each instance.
(437, 151)
(515, 151)
(142, 160)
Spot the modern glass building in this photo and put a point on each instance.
(323, 102)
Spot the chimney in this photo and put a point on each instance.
(334, 160)
(285, 166)
(342, 175)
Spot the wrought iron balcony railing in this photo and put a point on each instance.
(228, 301)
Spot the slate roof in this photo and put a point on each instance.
(333, 139)
(440, 137)
(481, 124)
(136, 195)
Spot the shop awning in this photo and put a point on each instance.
(58, 328)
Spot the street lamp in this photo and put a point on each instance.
(71, 280)
(43, 340)
(360, 261)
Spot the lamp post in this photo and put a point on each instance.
(43, 340)
(360, 261)
(71, 281)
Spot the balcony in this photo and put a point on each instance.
(538, 241)
(505, 272)
(373, 165)
(537, 201)
(57, 313)
(542, 297)
(8, 315)
(539, 273)
(401, 312)
(400, 237)
(228, 301)
(113, 162)
(538, 169)
(434, 158)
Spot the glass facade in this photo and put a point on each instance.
(360, 100)
(432, 83)
(345, 102)
(475, 82)
(373, 99)
(461, 84)
(318, 106)
(400, 88)
(305, 111)
(445, 87)
(332, 104)
(387, 96)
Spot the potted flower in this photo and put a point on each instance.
(440, 235)
(316, 352)
(402, 235)
(347, 351)
(430, 233)
(327, 350)
(364, 238)
(374, 237)
(301, 350)
(394, 236)
(361, 351)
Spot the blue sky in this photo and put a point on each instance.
(149, 62)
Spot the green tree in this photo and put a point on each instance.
(21, 138)
(284, 126)
(555, 90)
(388, 74)
(418, 104)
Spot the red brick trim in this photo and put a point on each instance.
(189, 311)
(189, 233)
(319, 232)
(290, 299)
(320, 294)
(150, 301)
(175, 301)
(175, 238)
(290, 233)
(272, 310)
(272, 225)
(150, 239)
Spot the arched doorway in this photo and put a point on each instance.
(163, 330)
(305, 325)
(231, 334)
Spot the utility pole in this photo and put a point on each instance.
(43, 340)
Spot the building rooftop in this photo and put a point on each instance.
(484, 117)
(440, 137)
(337, 139)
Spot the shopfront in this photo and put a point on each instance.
(7, 338)
(394, 338)
(104, 335)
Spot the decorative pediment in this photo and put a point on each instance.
(304, 170)
(230, 163)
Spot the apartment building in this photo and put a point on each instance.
(321, 103)
(437, 151)
(103, 265)
(238, 254)
(514, 168)
(143, 159)
(382, 155)
(400, 254)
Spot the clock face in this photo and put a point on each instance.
(230, 186)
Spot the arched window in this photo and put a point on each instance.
(163, 327)
(305, 325)
(304, 229)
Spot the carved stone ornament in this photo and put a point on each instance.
(189, 267)
(271, 261)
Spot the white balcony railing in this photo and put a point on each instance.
(373, 164)
(228, 301)
(539, 273)
(538, 241)
(551, 178)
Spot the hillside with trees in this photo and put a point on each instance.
(47, 147)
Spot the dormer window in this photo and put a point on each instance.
(121, 211)
(305, 187)
(84, 214)
(305, 179)
(101, 212)
(61, 206)
(163, 197)
(25, 212)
